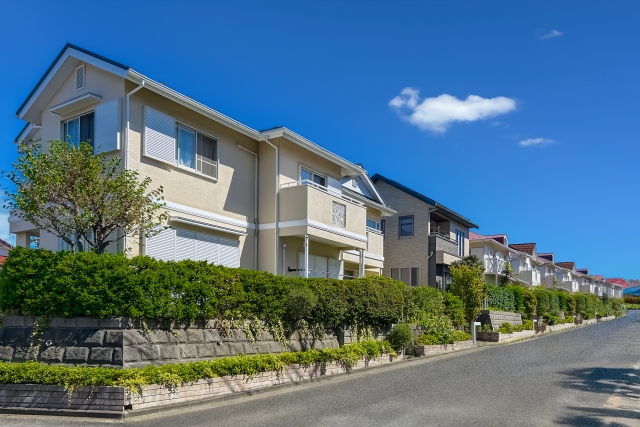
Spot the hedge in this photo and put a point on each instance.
(172, 375)
(64, 284)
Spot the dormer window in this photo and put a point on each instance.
(80, 77)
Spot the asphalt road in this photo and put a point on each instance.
(584, 377)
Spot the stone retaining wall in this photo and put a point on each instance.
(497, 318)
(124, 342)
(430, 350)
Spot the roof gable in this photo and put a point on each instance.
(527, 248)
(569, 265)
(549, 256)
(56, 74)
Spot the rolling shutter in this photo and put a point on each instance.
(229, 252)
(107, 127)
(177, 244)
(159, 136)
(162, 246)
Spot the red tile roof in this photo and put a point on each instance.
(548, 257)
(570, 265)
(475, 236)
(619, 281)
(3, 258)
(500, 238)
(598, 277)
(583, 271)
(527, 248)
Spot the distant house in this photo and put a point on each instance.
(423, 238)
(5, 247)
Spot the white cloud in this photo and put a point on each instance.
(543, 35)
(536, 141)
(437, 114)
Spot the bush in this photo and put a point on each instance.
(551, 319)
(173, 375)
(527, 325)
(632, 306)
(431, 339)
(500, 298)
(506, 328)
(400, 336)
(454, 309)
(422, 301)
(438, 327)
(40, 282)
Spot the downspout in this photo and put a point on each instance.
(126, 143)
(255, 207)
(275, 237)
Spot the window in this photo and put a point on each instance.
(460, 236)
(373, 224)
(406, 225)
(354, 183)
(197, 151)
(410, 276)
(309, 175)
(339, 214)
(382, 226)
(77, 130)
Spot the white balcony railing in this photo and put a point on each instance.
(322, 188)
(493, 265)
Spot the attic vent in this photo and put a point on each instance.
(80, 77)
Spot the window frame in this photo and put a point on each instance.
(413, 226)
(63, 123)
(194, 169)
(313, 172)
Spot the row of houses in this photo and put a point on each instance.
(270, 200)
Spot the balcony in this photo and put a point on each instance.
(493, 265)
(567, 285)
(324, 214)
(444, 248)
(531, 277)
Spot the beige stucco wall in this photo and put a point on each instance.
(405, 252)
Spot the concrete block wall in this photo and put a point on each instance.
(124, 342)
(497, 318)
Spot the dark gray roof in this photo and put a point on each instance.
(441, 209)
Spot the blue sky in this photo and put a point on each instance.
(545, 149)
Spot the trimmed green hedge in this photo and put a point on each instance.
(173, 375)
(40, 282)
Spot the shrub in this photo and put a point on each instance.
(400, 336)
(469, 287)
(431, 339)
(461, 336)
(500, 298)
(422, 301)
(527, 325)
(39, 282)
(439, 327)
(506, 328)
(171, 375)
(454, 309)
(551, 319)
(631, 306)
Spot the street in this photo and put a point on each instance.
(584, 377)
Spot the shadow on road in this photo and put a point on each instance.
(592, 417)
(621, 385)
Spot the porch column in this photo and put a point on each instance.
(361, 266)
(306, 255)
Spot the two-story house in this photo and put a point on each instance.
(269, 200)
(567, 278)
(423, 238)
(525, 265)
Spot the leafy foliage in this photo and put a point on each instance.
(469, 287)
(506, 275)
(501, 298)
(454, 309)
(506, 328)
(79, 196)
(173, 375)
(400, 336)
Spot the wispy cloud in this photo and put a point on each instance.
(536, 141)
(4, 223)
(545, 34)
(439, 113)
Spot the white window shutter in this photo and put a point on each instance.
(229, 252)
(159, 136)
(162, 246)
(185, 245)
(207, 248)
(107, 127)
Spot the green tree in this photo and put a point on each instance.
(471, 261)
(506, 276)
(469, 287)
(79, 196)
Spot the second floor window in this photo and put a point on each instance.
(309, 175)
(196, 151)
(406, 225)
(77, 130)
(373, 224)
(460, 236)
(382, 225)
